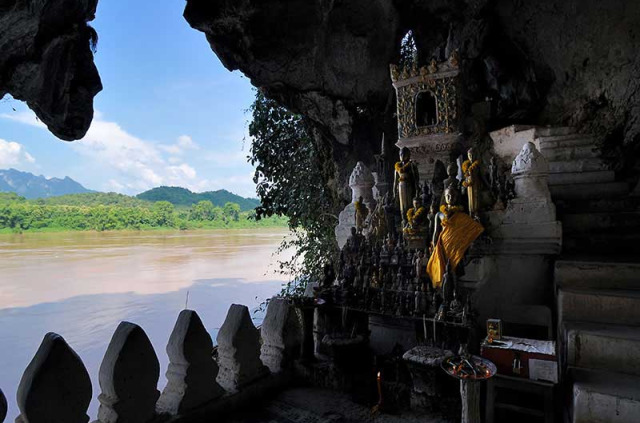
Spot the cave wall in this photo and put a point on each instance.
(46, 60)
(549, 62)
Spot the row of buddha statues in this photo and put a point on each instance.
(389, 278)
(404, 256)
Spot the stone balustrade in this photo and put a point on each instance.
(56, 386)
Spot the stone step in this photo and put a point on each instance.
(579, 222)
(613, 243)
(589, 191)
(584, 165)
(624, 204)
(572, 140)
(611, 348)
(554, 131)
(571, 153)
(600, 397)
(601, 176)
(614, 306)
(596, 274)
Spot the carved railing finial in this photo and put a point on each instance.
(55, 385)
(192, 371)
(128, 377)
(239, 350)
(281, 335)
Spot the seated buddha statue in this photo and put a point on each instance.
(454, 232)
(417, 222)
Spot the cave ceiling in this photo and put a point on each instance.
(548, 62)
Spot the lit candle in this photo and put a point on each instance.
(379, 389)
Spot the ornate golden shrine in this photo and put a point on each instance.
(436, 138)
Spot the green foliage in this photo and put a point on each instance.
(294, 177)
(231, 212)
(94, 199)
(101, 212)
(183, 197)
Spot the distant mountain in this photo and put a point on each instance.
(30, 186)
(183, 197)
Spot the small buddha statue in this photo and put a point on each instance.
(416, 218)
(406, 182)
(452, 177)
(471, 173)
(362, 212)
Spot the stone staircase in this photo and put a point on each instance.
(599, 327)
(597, 280)
(596, 211)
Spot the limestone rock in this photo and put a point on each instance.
(239, 350)
(55, 387)
(128, 377)
(46, 61)
(192, 372)
(517, 59)
(3, 406)
(281, 335)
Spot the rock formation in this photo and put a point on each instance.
(329, 60)
(46, 61)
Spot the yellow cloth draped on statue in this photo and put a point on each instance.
(458, 232)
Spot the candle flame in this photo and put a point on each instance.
(378, 375)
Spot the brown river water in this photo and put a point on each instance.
(82, 284)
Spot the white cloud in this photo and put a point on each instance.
(131, 164)
(24, 116)
(13, 154)
(184, 142)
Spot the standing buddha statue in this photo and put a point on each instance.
(453, 234)
(406, 182)
(471, 173)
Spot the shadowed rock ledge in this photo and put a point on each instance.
(46, 61)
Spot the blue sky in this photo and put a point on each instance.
(169, 113)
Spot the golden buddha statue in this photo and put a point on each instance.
(406, 182)
(471, 182)
(454, 232)
(416, 219)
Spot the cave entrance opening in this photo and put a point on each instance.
(426, 109)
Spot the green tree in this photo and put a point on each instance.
(163, 213)
(231, 212)
(295, 178)
(203, 210)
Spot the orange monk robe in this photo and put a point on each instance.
(458, 232)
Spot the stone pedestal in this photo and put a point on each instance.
(361, 183)
(424, 365)
(470, 396)
(516, 267)
(427, 149)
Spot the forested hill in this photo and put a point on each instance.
(183, 197)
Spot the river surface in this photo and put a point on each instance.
(82, 284)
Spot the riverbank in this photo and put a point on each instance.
(112, 212)
(268, 223)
